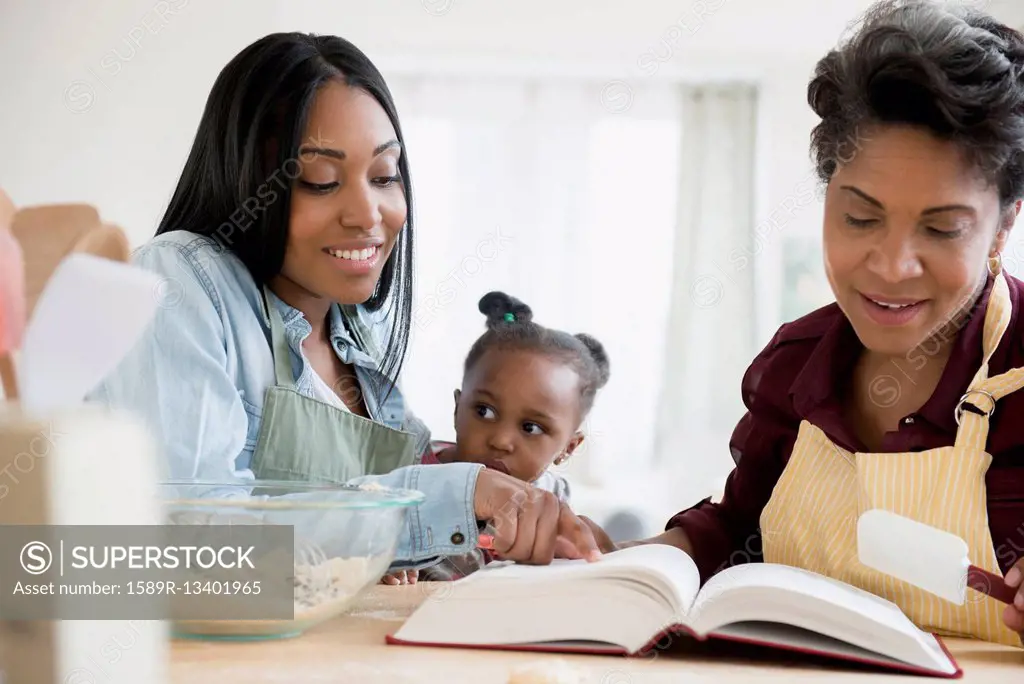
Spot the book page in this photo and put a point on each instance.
(800, 640)
(773, 593)
(767, 576)
(602, 615)
(660, 568)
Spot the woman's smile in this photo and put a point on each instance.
(356, 260)
(892, 311)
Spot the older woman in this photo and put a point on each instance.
(903, 394)
(286, 256)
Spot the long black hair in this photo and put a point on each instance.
(236, 183)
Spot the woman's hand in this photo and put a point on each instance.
(401, 577)
(604, 542)
(1013, 615)
(672, 537)
(530, 525)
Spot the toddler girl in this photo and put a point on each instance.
(526, 391)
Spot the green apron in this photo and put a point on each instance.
(304, 439)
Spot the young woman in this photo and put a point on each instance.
(905, 393)
(286, 254)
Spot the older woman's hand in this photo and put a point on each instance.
(671, 537)
(531, 525)
(1013, 615)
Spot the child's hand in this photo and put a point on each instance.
(1013, 615)
(401, 577)
(531, 526)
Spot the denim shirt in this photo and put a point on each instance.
(197, 377)
(549, 480)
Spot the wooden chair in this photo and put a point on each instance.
(47, 234)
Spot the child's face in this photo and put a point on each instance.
(519, 408)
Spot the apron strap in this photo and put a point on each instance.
(979, 402)
(997, 319)
(997, 316)
(981, 399)
(279, 344)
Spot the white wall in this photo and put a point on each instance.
(101, 99)
(102, 102)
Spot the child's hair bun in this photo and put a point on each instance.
(498, 305)
(599, 355)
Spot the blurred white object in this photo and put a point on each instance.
(86, 466)
(924, 556)
(88, 317)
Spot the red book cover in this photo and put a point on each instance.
(824, 655)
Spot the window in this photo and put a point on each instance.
(534, 189)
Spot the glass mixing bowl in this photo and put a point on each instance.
(345, 538)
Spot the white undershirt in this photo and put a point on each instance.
(324, 393)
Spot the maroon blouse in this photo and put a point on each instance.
(799, 375)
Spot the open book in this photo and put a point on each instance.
(628, 602)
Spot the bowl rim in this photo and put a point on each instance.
(390, 497)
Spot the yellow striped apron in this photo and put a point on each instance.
(810, 520)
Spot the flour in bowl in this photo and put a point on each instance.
(338, 579)
(322, 591)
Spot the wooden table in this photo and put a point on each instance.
(352, 649)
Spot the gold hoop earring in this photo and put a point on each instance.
(995, 264)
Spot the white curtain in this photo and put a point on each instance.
(711, 335)
(565, 193)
